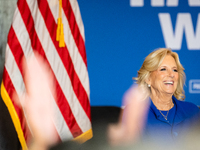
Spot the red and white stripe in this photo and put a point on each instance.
(34, 28)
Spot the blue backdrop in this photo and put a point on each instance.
(121, 33)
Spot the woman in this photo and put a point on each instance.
(162, 78)
(168, 117)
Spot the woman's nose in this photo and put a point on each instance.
(171, 73)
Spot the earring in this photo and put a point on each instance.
(149, 85)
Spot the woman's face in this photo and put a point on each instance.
(164, 80)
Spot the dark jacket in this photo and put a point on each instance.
(181, 118)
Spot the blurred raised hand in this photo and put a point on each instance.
(36, 102)
(132, 118)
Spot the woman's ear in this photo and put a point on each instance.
(148, 80)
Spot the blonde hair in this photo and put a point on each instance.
(153, 61)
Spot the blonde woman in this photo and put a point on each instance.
(155, 108)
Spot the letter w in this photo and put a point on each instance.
(183, 23)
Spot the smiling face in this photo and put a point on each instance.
(164, 80)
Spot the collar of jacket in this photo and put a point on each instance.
(180, 113)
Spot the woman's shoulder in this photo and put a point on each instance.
(188, 104)
(188, 107)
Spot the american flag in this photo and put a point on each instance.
(34, 27)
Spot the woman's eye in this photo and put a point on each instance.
(163, 69)
(175, 70)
